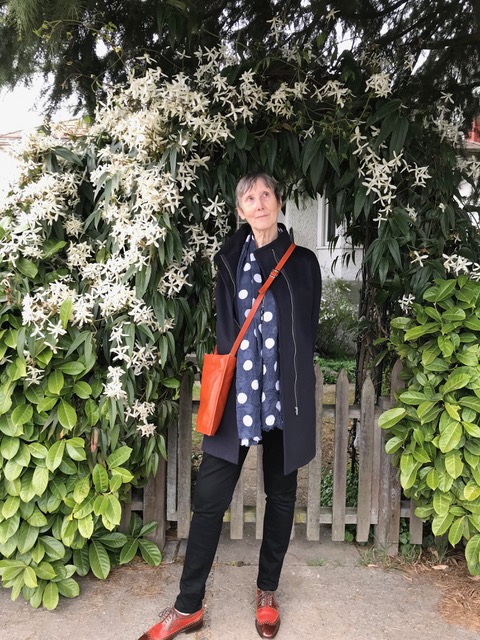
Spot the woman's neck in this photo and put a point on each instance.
(265, 237)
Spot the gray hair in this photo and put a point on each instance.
(247, 182)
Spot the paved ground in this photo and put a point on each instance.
(326, 593)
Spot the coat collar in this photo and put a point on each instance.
(233, 246)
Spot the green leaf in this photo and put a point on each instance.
(46, 404)
(22, 414)
(10, 507)
(472, 429)
(76, 449)
(171, 383)
(456, 381)
(454, 464)
(472, 554)
(100, 505)
(9, 447)
(27, 537)
(150, 552)
(118, 457)
(100, 478)
(309, 151)
(114, 540)
(129, 551)
(37, 519)
(72, 369)
(441, 291)
(412, 397)
(455, 533)
(27, 268)
(99, 560)
(124, 474)
(420, 330)
(55, 382)
(391, 417)
(51, 247)
(82, 390)
(55, 455)
(54, 548)
(86, 526)
(453, 314)
(37, 450)
(441, 502)
(85, 507)
(40, 480)
(67, 415)
(393, 444)
(114, 509)
(50, 596)
(432, 479)
(45, 571)
(450, 437)
(471, 491)
(81, 561)
(468, 358)
(68, 588)
(441, 523)
(66, 312)
(30, 578)
(82, 489)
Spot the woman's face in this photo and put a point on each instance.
(260, 208)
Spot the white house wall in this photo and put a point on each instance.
(310, 228)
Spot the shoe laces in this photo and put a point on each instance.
(266, 599)
(167, 614)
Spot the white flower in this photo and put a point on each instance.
(412, 214)
(421, 175)
(406, 302)
(113, 388)
(380, 83)
(331, 14)
(456, 264)
(419, 258)
(146, 429)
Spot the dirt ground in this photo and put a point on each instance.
(460, 601)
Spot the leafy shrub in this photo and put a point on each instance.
(331, 368)
(338, 320)
(326, 498)
(434, 431)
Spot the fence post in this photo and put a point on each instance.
(184, 469)
(365, 467)
(340, 464)
(315, 466)
(387, 530)
(154, 503)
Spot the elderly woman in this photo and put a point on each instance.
(271, 403)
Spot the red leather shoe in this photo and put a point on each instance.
(172, 623)
(267, 618)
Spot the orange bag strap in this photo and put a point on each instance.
(261, 293)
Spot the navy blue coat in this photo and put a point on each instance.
(297, 293)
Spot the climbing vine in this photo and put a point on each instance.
(106, 250)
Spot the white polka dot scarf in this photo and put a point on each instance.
(257, 380)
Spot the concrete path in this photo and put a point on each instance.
(325, 594)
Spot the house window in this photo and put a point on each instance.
(327, 228)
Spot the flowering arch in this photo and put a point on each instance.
(106, 260)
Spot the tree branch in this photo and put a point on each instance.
(473, 38)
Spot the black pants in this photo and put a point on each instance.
(213, 493)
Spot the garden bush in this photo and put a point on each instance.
(338, 321)
(434, 430)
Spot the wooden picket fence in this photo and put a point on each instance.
(167, 498)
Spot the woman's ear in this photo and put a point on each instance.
(240, 213)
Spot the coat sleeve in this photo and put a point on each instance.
(317, 294)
